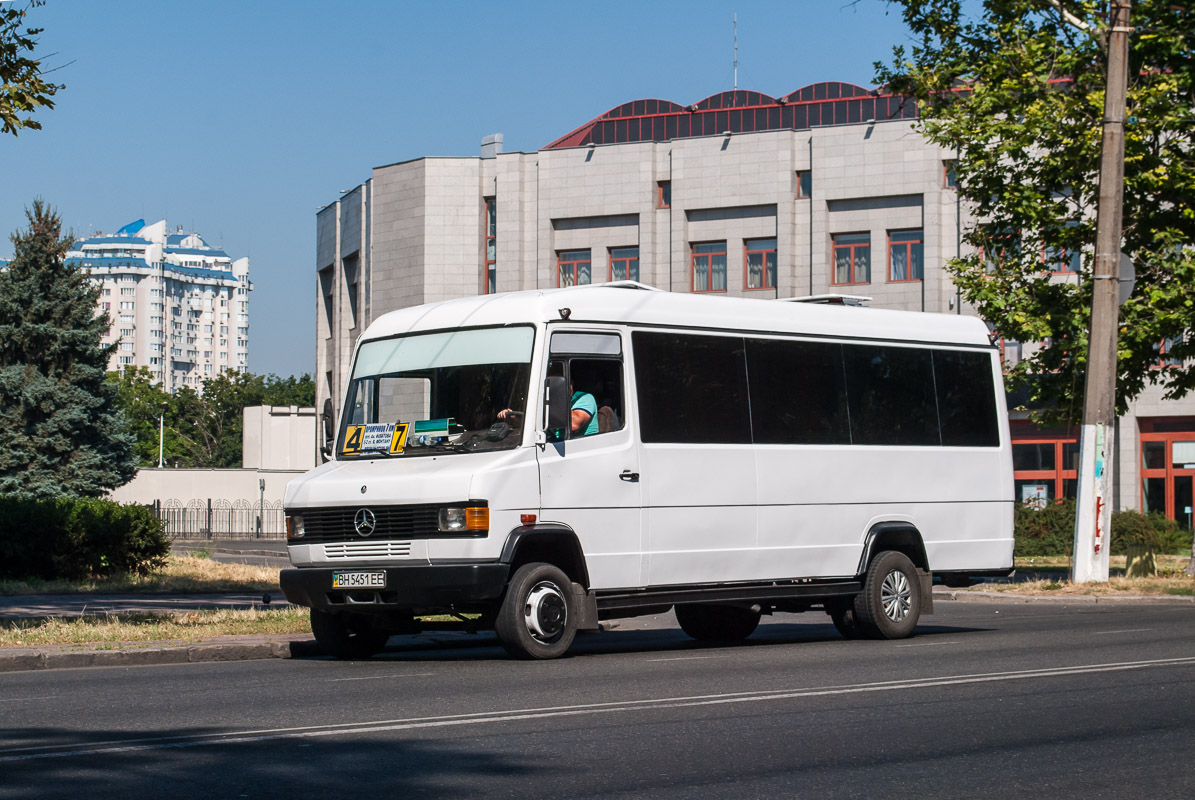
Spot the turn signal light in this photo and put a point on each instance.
(527, 519)
(477, 518)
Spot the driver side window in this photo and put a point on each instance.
(592, 366)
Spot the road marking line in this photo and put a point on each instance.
(516, 715)
(927, 644)
(682, 658)
(23, 699)
(382, 677)
(1126, 630)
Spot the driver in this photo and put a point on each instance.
(582, 414)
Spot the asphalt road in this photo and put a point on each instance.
(987, 700)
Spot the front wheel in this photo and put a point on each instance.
(715, 623)
(537, 618)
(890, 603)
(346, 636)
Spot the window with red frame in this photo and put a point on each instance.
(663, 194)
(906, 255)
(759, 262)
(804, 184)
(852, 258)
(1165, 360)
(1168, 474)
(1061, 260)
(624, 263)
(573, 268)
(491, 247)
(949, 178)
(1044, 469)
(708, 266)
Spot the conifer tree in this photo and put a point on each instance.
(61, 432)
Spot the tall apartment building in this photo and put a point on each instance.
(827, 189)
(178, 306)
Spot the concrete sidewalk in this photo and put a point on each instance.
(76, 605)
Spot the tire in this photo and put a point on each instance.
(537, 617)
(890, 603)
(842, 614)
(345, 635)
(715, 623)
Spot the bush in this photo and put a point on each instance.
(1132, 528)
(76, 539)
(1049, 531)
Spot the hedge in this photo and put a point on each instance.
(78, 538)
(1050, 531)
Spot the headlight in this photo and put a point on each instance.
(294, 526)
(459, 520)
(452, 520)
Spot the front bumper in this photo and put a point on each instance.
(450, 585)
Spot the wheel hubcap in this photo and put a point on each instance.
(896, 596)
(545, 612)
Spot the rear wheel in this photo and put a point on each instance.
(842, 614)
(890, 603)
(536, 618)
(715, 623)
(349, 636)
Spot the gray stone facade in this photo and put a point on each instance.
(415, 231)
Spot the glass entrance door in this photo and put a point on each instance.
(1168, 475)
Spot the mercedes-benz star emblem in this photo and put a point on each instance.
(364, 522)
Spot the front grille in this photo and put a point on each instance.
(416, 521)
(368, 549)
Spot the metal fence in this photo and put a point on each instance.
(222, 519)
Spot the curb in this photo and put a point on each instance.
(1084, 599)
(59, 657)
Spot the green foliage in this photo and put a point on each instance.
(23, 87)
(1049, 531)
(1017, 93)
(62, 431)
(201, 430)
(1133, 529)
(76, 539)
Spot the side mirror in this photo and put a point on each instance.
(556, 407)
(327, 430)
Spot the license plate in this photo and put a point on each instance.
(358, 580)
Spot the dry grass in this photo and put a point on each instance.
(120, 631)
(183, 574)
(1170, 580)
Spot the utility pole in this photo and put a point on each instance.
(1097, 443)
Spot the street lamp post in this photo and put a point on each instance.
(161, 436)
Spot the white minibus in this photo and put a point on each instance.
(539, 461)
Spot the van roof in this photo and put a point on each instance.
(633, 304)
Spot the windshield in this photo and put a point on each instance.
(432, 393)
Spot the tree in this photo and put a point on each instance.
(145, 405)
(289, 391)
(61, 429)
(201, 430)
(23, 87)
(1017, 93)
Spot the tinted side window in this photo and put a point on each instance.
(691, 389)
(798, 393)
(966, 399)
(890, 392)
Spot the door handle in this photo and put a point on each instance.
(627, 475)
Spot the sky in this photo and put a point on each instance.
(239, 119)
